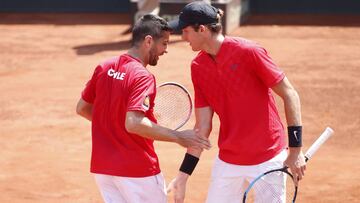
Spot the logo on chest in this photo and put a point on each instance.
(234, 66)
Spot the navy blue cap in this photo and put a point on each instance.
(197, 12)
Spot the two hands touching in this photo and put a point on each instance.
(192, 139)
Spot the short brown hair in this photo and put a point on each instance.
(149, 24)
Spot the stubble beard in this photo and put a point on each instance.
(153, 58)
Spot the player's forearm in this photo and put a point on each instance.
(293, 114)
(292, 108)
(203, 131)
(291, 101)
(293, 118)
(204, 128)
(142, 126)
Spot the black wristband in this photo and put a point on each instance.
(189, 163)
(295, 136)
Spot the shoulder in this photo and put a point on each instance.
(105, 65)
(139, 71)
(139, 74)
(238, 43)
(133, 67)
(109, 62)
(201, 58)
(246, 49)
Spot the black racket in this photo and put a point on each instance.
(173, 105)
(262, 188)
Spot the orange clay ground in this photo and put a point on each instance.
(45, 61)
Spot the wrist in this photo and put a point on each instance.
(294, 150)
(182, 177)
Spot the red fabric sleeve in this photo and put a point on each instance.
(89, 92)
(139, 96)
(265, 68)
(199, 98)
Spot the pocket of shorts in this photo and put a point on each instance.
(160, 182)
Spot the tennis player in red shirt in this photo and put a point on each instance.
(236, 78)
(119, 101)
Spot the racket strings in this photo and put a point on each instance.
(270, 189)
(172, 106)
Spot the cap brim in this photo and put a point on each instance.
(177, 25)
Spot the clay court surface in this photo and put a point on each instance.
(45, 61)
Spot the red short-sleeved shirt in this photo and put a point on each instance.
(236, 85)
(119, 85)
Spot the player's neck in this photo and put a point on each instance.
(213, 45)
(136, 53)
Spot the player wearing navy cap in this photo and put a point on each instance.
(236, 78)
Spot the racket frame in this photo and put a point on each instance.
(328, 132)
(284, 170)
(189, 97)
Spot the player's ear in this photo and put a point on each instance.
(202, 28)
(148, 41)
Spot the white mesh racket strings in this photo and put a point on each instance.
(172, 105)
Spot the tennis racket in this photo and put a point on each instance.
(262, 188)
(173, 105)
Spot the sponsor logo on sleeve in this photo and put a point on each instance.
(146, 103)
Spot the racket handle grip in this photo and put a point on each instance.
(314, 147)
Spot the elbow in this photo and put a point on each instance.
(84, 109)
(131, 124)
(78, 110)
(293, 96)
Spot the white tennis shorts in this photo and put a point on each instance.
(117, 189)
(228, 181)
